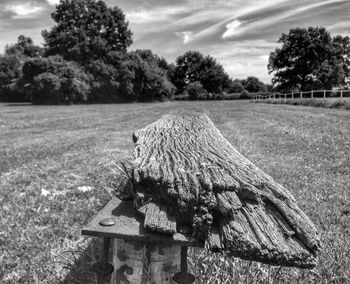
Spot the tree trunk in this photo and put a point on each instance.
(186, 172)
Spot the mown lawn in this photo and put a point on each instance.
(58, 167)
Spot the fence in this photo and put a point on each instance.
(341, 93)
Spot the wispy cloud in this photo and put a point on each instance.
(231, 28)
(239, 33)
(53, 2)
(23, 10)
(185, 35)
(142, 16)
(262, 23)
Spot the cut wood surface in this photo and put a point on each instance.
(188, 177)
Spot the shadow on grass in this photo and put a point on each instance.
(79, 263)
(18, 104)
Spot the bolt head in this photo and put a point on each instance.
(107, 222)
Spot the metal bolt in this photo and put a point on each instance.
(107, 222)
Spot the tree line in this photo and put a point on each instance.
(85, 59)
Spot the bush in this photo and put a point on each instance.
(244, 96)
(195, 91)
(235, 87)
(10, 72)
(53, 80)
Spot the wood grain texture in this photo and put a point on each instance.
(184, 165)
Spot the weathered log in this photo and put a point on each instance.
(184, 165)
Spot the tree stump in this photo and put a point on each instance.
(188, 178)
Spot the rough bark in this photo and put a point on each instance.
(184, 166)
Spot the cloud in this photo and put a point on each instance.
(53, 2)
(239, 33)
(231, 28)
(235, 14)
(185, 35)
(23, 10)
(147, 16)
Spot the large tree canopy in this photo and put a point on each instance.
(87, 30)
(310, 58)
(253, 85)
(194, 66)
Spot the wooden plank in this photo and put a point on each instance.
(129, 224)
(183, 162)
(158, 220)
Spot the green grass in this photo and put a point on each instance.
(342, 103)
(48, 152)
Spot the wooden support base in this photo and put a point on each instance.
(139, 262)
(139, 256)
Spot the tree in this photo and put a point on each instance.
(187, 69)
(148, 80)
(234, 86)
(10, 71)
(308, 59)
(54, 80)
(24, 47)
(107, 78)
(253, 85)
(11, 68)
(195, 90)
(87, 30)
(194, 66)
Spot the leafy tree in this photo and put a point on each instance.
(253, 85)
(235, 87)
(107, 77)
(187, 69)
(195, 90)
(213, 76)
(10, 71)
(53, 80)
(24, 47)
(87, 30)
(310, 58)
(149, 82)
(194, 66)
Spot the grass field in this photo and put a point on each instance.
(58, 167)
(341, 103)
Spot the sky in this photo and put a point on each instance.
(240, 34)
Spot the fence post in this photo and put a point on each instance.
(292, 95)
(301, 94)
(312, 94)
(324, 94)
(341, 93)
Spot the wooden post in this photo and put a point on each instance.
(341, 93)
(312, 94)
(301, 94)
(144, 262)
(292, 95)
(324, 94)
(103, 269)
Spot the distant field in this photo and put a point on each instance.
(58, 167)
